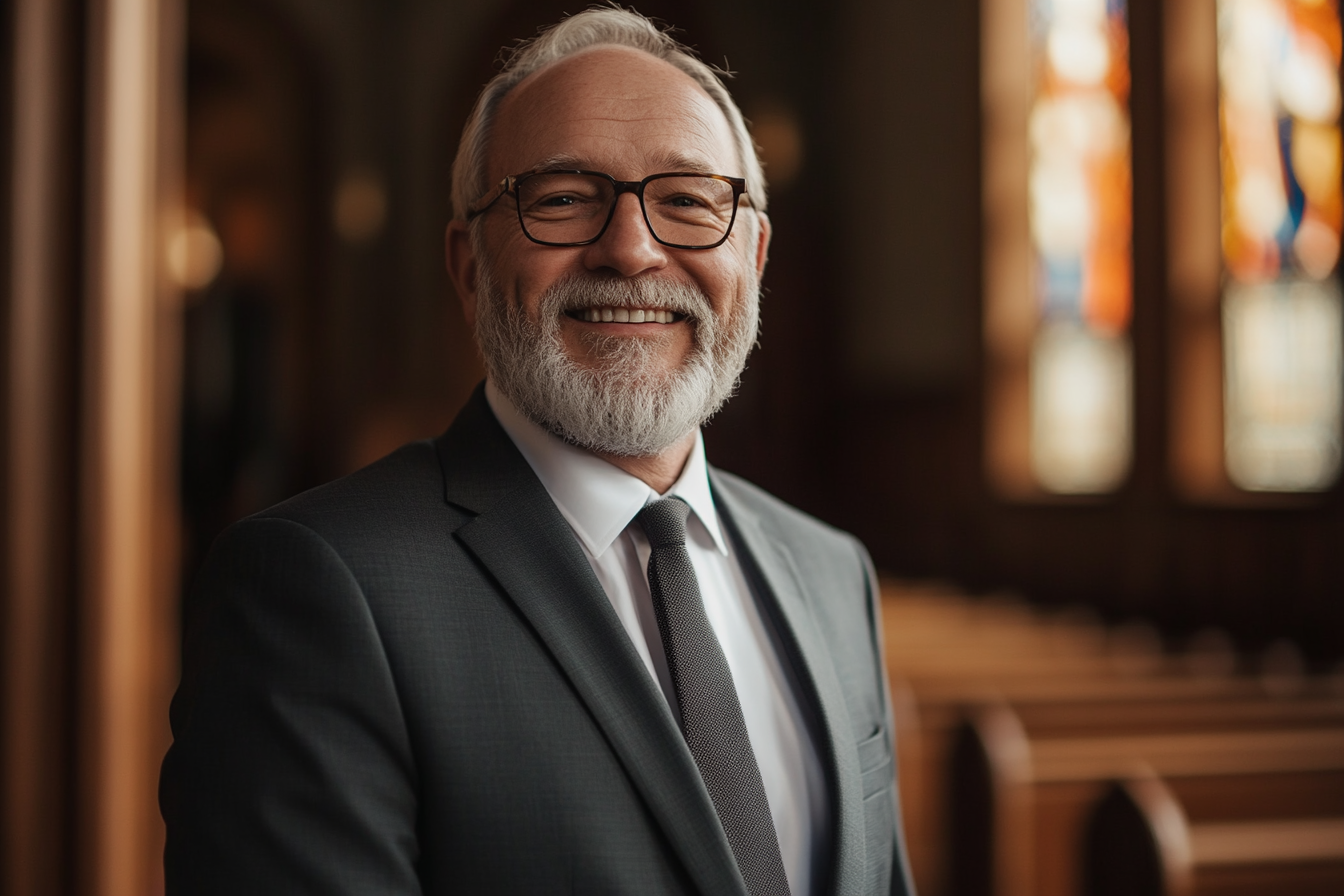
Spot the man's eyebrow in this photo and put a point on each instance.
(676, 161)
(562, 161)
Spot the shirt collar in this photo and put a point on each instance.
(596, 498)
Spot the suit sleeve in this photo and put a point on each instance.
(291, 770)
(901, 880)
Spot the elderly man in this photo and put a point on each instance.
(553, 650)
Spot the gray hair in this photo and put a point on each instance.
(598, 26)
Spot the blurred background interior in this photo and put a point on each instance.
(1052, 321)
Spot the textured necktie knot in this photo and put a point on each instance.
(664, 522)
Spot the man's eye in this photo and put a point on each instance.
(558, 204)
(685, 201)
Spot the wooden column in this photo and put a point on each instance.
(128, 469)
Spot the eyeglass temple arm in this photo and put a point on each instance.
(504, 186)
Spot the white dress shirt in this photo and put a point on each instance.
(600, 501)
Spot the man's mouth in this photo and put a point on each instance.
(599, 315)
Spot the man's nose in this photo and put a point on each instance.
(627, 247)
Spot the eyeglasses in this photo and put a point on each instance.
(574, 208)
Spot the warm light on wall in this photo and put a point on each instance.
(779, 135)
(359, 209)
(194, 254)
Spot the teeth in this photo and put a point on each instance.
(627, 315)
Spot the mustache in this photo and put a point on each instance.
(578, 292)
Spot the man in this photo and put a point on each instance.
(553, 651)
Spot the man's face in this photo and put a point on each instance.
(627, 114)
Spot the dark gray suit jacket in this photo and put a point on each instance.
(410, 681)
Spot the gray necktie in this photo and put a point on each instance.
(711, 716)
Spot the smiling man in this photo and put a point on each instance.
(553, 650)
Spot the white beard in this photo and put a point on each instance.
(626, 405)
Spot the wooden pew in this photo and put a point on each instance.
(945, 650)
(930, 710)
(1144, 839)
(1020, 791)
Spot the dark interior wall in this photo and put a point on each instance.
(904, 420)
(864, 403)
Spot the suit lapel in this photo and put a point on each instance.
(521, 538)
(786, 589)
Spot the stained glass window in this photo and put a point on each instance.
(1282, 210)
(1058, 329)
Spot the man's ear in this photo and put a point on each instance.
(461, 262)
(763, 232)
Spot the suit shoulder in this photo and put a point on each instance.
(402, 487)
(786, 517)
(381, 525)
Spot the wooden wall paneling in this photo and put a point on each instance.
(1194, 268)
(1009, 305)
(41, 306)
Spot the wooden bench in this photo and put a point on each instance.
(1066, 678)
(1144, 839)
(945, 650)
(1019, 791)
(929, 711)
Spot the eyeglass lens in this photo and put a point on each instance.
(686, 210)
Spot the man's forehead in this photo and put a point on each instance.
(661, 157)
(611, 102)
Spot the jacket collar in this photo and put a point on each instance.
(520, 537)
(596, 498)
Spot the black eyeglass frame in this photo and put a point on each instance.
(509, 185)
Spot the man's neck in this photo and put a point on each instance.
(660, 471)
